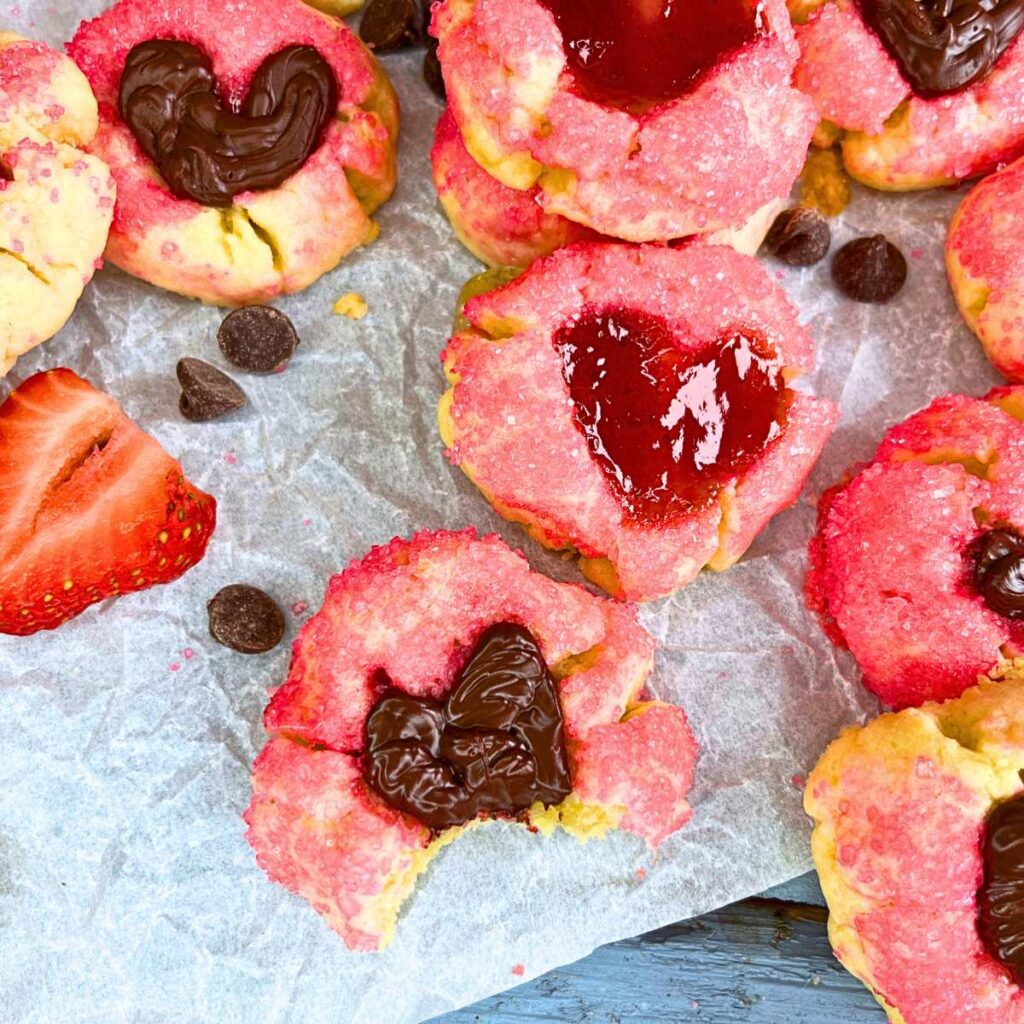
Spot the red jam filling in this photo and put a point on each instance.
(669, 428)
(634, 54)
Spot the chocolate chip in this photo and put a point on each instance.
(257, 339)
(394, 24)
(432, 73)
(206, 393)
(245, 619)
(869, 269)
(799, 237)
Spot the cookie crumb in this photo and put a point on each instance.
(352, 305)
(824, 185)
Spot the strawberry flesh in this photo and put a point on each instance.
(91, 507)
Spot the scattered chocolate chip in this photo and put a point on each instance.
(206, 393)
(393, 24)
(257, 339)
(432, 73)
(869, 269)
(799, 237)
(245, 619)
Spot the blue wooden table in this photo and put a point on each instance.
(763, 961)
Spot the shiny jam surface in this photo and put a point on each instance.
(634, 54)
(669, 427)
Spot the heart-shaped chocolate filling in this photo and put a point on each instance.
(208, 153)
(1001, 897)
(668, 427)
(495, 746)
(944, 45)
(635, 53)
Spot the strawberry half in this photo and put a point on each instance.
(90, 506)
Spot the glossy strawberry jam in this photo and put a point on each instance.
(636, 53)
(669, 427)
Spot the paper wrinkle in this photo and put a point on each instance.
(128, 894)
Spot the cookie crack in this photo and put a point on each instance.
(30, 267)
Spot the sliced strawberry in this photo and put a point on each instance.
(90, 506)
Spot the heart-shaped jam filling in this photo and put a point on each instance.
(208, 152)
(1001, 897)
(669, 427)
(944, 45)
(495, 746)
(633, 54)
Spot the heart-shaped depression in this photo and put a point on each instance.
(669, 427)
(208, 153)
(634, 54)
(496, 745)
(945, 45)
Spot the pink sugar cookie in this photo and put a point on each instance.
(56, 201)
(506, 227)
(894, 138)
(895, 558)
(985, 263)
(705, 153)
(543, 456)
(266, 243)
(903, 809)
(402, 619)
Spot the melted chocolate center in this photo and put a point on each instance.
(210, 153)
(494, 747)
(669, 428)
(633, 54)
(1001, 897)
(945, 45)
(999, 571)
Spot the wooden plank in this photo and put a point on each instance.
(757, 962)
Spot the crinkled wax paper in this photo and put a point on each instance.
(127, 890)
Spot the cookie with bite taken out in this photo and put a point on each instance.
(442, 684)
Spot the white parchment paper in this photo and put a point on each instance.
(128, 894)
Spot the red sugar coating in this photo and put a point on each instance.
(407, 609)
(857, 84)
(318, 830)
(514, 431)
(890, 569)
(986, 245)
(846, 70)
(705, 161)
(644, 764)
(502, 226)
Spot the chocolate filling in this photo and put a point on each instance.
(944, 45)
(1001, 897)
(999, 571)
(211, 153)
(495, 746)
